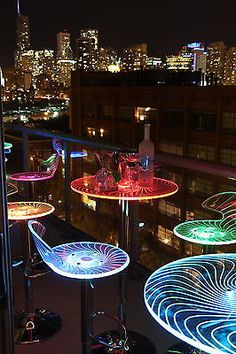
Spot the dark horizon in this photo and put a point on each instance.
(165, 27)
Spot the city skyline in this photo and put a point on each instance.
(164, 27)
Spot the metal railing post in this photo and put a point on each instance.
(67, 199)
(7, 338)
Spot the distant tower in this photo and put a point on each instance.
(22, 30)
(65, 59)
(215, 60)
(87, 50)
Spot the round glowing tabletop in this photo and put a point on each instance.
(159, 189)
(11, 189)
(195, 299)
(28, 210)
(88, 260)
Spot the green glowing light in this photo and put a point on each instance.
(212, 232)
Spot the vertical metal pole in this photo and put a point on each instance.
(133, 205)
(86, 319)
(25, 144)
(67, 190)
(124, 244)
(8, 346)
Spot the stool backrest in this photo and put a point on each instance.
(58, 146)
(51, 164)
(224, 203)
(38, 231)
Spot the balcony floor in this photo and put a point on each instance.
(62, 295)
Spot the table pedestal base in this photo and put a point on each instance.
(137, 343)
(37, 327)
(183, 348)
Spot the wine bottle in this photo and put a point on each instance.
(146, 158)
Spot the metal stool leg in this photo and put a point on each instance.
(86, 312)
(33, 326)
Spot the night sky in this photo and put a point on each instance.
(164, 25)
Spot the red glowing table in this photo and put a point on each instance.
(160, 188)
(32, 325)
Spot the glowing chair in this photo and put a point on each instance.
(59, 148)
(194, 299)
(212, 232)
(84, 261)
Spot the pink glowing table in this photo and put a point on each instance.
(160, 188)
(32, 325)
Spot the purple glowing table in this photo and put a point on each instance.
(84, 261)
(128, 198)
(32, 325)
(195, 299)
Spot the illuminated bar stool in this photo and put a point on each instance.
(195, 300)
(212, 232)
(32, 326)
(48, 170)
(11, 189)
(59, 148)
(84, 261)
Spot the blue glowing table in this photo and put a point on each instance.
(195, 299)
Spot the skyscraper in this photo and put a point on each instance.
(65, 59)
(215, 60)
(87, 50)
(135, 57)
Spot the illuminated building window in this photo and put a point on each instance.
(145, 113)
(91, 132)
(200, 186)
(89, 203)
(173, 176)
(228, 157)
(101, 132)
(171, 147)
(229, 122)
(167, 237)
(201, 152)
(169, 209)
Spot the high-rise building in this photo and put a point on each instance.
(154, 63)
(65, 59)
(230, 67)
(180, 62)
(215, 61)
(107, 57)
(199, 56)
(87, 50)
(135, 57)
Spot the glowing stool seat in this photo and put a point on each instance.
(212, 232)
(195, 299)
(59, 148)
(50, 168)
(83, 261)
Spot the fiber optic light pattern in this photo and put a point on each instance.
(59, 148)
(28, 210)
(195, 299)
(7, 146)
(33, 176)
(212, 232)
(81, 260)
(159, 189)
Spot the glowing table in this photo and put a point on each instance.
(160, 188)
(212, 232)
(32, 325)
(195, 299)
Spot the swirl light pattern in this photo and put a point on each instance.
(159, 189)
(33, 176)
(28, 210)
(195, 299)
(80, 260)
(212, 232)
(59, 148)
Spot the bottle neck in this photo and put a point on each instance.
(146, 131)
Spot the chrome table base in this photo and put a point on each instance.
(36, 327)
